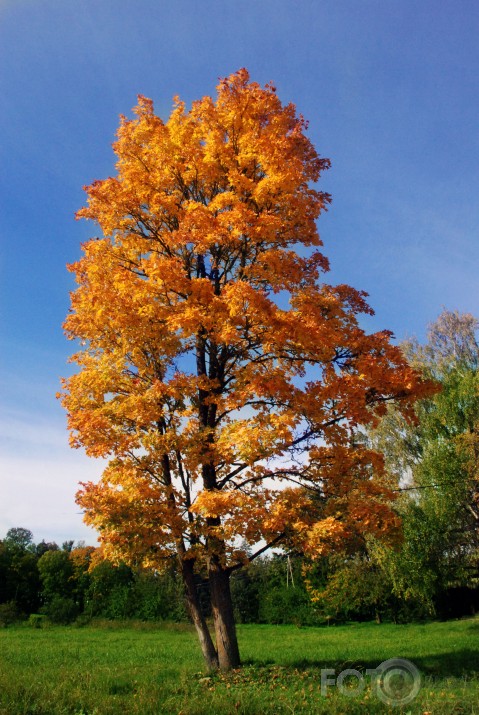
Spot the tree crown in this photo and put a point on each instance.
(218, 373)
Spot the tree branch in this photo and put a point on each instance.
(276, 540)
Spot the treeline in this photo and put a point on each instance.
(428, 568)
(74, 583)
(71, 582)
(68, 582)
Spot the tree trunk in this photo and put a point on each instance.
(222, 606)
(207, 646)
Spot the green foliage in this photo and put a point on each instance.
(56, 574)
(435, 463)
(108, 593)
(19, 539)
(61, 610)
(355, 589)
(158, 596)
(37, 620)
(19, 579)
(9, 613)
(272, 590)
(44, 546)
(284, 604)
(245, 592)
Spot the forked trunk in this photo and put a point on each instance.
(207, 646)
(222, 607)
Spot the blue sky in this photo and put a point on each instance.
(391, 93)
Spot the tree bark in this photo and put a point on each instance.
(222, 607)
(207, 646)
(218, 575)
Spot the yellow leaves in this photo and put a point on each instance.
(219, 503)
(188, 365)
(324, 536)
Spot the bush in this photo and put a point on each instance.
(158, 597)
(287, 605)
(8, 613)
(83, 620)
(37, 620)
(61, 610)
(245, 594)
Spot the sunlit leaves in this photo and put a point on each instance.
(217, 371)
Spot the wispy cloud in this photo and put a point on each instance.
(24, 431)
(39, 479)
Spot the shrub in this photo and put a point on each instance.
(61, 610)
(83, 620)
(8, 613)
(287, 605)
(37, 620)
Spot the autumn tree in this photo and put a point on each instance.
(218, 373)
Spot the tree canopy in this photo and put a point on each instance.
(219, 373)
(434, 463)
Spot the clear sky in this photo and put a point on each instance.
(391, 91)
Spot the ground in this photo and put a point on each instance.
(111, 668)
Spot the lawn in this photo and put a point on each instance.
(113, 669)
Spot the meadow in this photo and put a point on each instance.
(145, 669)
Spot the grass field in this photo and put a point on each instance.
(143, 669)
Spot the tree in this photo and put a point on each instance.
(19, 579)
(435, 462)
(109, 592)
(56, 573)
(221, 378)
(81, 558)
(19, 538)
(44, 546)
(350, 587)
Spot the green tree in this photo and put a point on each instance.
(19, 579)
(158, 596)
(435, 464)
(109, 591)
(19, 538)
(44, 546)
(58, 586)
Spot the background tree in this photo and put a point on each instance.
(435, 463)
(56, 570)
(350, 587)
(81, 557)
(220, 376)
(44, 546)
(19, 579)
(19, 538)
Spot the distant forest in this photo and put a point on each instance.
(73, 583)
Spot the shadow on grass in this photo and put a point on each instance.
(460, 663)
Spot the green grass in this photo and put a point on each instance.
(145, 670)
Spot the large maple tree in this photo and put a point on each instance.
(222, 378)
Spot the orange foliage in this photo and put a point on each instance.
(220, 376)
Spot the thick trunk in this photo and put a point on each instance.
(207, 646)
(207, 365)
(222, 606)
